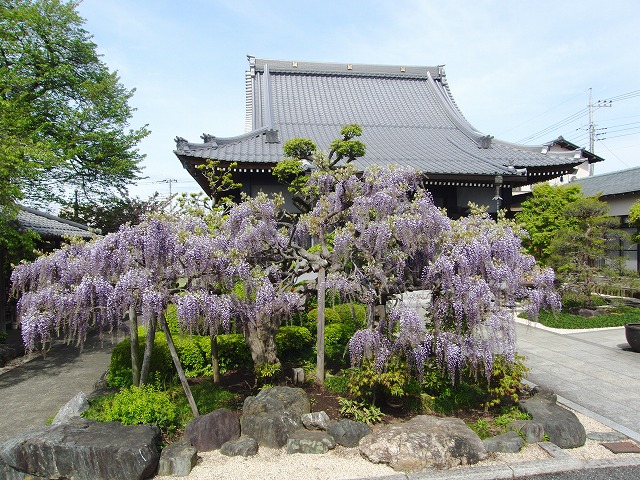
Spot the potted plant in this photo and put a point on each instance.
(632, 332)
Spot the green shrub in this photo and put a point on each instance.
(506, 382)
(337, 384)
(336, 338)
(137, 405)
(268, 373)
(161, 366)
(233, 352)
(171, 316)
(360, 411)
(347, 316)
(208, 397)
(3, 337)
(330, 316)
(294, 343)
(572, 299)
(194, 352)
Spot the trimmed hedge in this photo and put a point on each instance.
(194, 352)
(294, 343)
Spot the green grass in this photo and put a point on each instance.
(616, 318)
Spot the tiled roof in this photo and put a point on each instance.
(50, 226)
(614, 183)
(407, 114)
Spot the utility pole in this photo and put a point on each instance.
(169, 181)
(592, 126)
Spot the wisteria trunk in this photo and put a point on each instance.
(215, 365)
(260, 335)
(135, 346)
(148, 349)
(321, 320)
(178, 365)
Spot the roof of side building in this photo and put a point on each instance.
(50, 226)
(613, 183)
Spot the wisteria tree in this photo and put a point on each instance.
(141, 269)
(388, 238)
(379, 235)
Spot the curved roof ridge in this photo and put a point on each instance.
(183, 145)
(343, 68)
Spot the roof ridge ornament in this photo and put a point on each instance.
(271, 136)
(182, 144)
(485, 141)
(208, 138)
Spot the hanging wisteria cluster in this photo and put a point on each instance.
(211, 276)
(475, 272)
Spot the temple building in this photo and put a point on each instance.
(408, 116)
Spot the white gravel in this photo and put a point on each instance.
(346, 463)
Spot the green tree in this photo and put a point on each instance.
(542, 216)
(579, 250)
(109, 214)
(634, 219)
(64, 117)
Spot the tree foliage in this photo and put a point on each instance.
(64, 117)
(579, 250)
(542, 216)
(634, 219)
(109, 214)
(65, 114)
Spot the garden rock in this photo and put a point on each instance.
(82, 449)
(273, 414)
(561, 425)
(210, 431)
(533, 432)
(310, 441)
(509, 442)
(424, 442)
(73, 408)
(316, 420)
(348, 433)
(177, 459)
(244, 446)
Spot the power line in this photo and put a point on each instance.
(571, 118)
(541, 114)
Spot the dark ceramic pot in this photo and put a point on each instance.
(632, 332)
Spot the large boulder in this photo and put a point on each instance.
(210, 431)
(348, 433)
(561, 425)
(82, 450)
(243, 446)
(509, 442)
(424, 442)
(72, 409)
(177, 459)
(273, 414)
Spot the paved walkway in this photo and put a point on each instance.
(595, 370)
(33, 392)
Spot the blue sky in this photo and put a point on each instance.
(515, 68)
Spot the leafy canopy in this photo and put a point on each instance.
(542, 217)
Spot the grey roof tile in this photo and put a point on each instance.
(613, 183)
(50, 226)
(408, 118)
